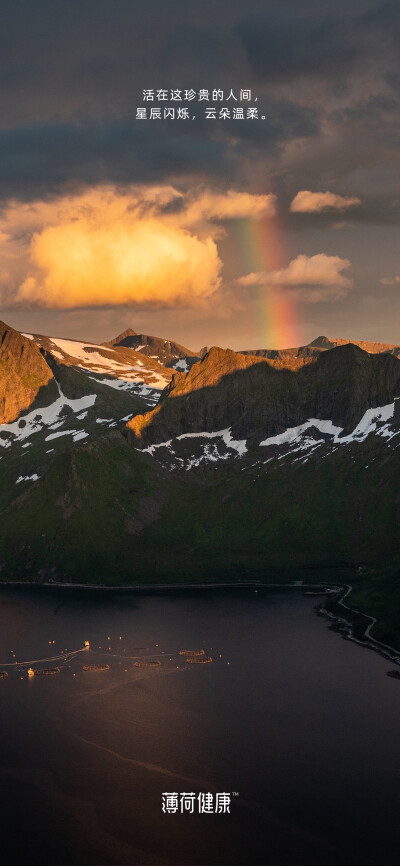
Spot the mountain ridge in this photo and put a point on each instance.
(254, 398)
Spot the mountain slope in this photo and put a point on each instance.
(51, 398)
(255, 401)
(117, 367)
(23, 372)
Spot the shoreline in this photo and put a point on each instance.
(344, 627)
(143, 588)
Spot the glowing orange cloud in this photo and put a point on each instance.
(229, 205)
(150, 246)
(314, 202)
(309, 278)
(390, 281)
(148, 262)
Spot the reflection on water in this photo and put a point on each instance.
(299, 726)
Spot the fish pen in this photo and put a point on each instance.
(96, 667)
(192, 653)
(198, 660)
(43, 672)
(147, 663)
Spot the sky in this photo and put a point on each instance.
(272, 222)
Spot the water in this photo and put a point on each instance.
(301, 724)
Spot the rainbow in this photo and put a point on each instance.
(261, 249)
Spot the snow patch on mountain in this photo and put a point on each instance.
(33, 477)
(182, 364)
(219, 448)
(34, 421)
(136, 386)
(226, 436)
(367, 425)
(105, 361)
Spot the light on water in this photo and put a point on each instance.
(300, 734)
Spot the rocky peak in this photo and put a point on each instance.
(117, 340)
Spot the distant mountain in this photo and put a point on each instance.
(167, 352)
(371, 347)
(113, 365)
(292, 357)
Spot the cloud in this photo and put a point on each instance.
(145, 246)
(283, 45)
(314, 202)
(230, 205)
(309, 278)
(390, 281)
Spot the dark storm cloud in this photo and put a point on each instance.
(283, 44)
(284, 120)
(38, 160)
(35, 160)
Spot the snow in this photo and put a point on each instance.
(103, 360)
(81, 435)
(103, 420)
(366, 426)
(33, 477)
(61, 433)
(99, 359)
(86, 352)
(237, 445)
(28, 336)
(293, 433)
(45, 417)
(182, 364)
(135, 385)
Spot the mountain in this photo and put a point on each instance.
(247, 468)
(23, 373)
(167, 352)
(372, 348)
(115, 366)
(335, 394)
(293, 358)
(57, 392)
